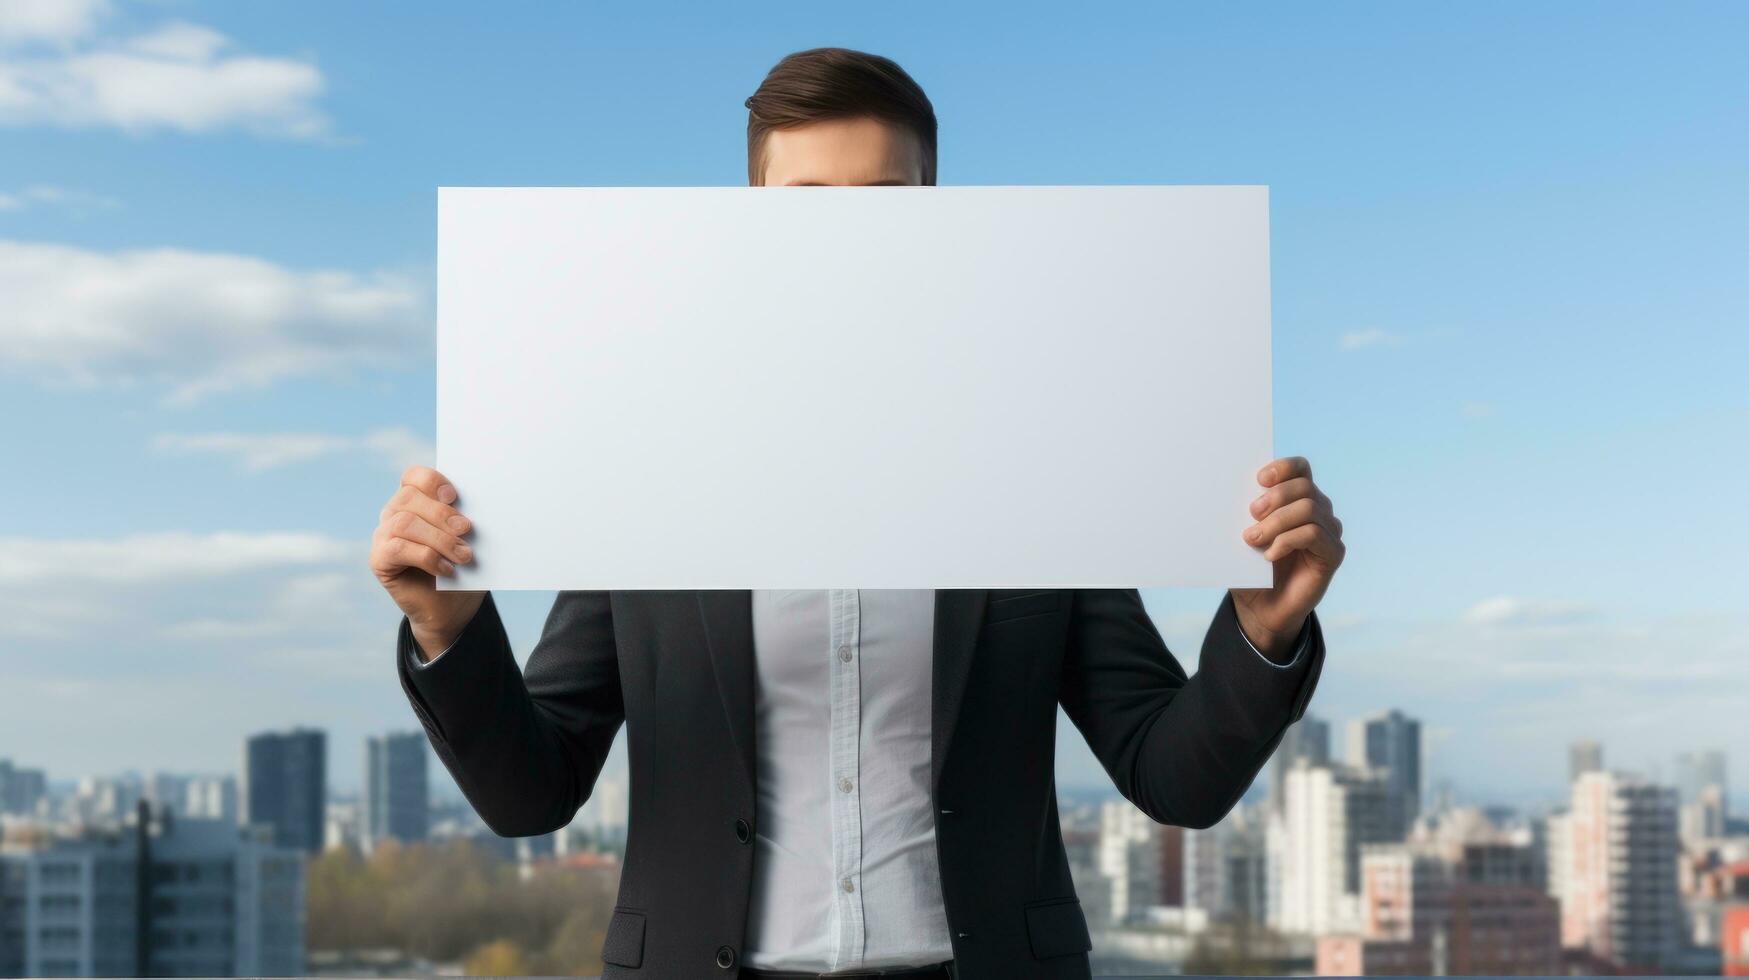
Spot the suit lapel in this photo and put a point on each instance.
(959, 614)
(728, 629)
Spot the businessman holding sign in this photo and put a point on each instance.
(844, 782)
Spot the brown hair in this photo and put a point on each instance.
(836, 83)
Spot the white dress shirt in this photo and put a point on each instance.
(844, 870)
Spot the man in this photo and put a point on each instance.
(844, 782)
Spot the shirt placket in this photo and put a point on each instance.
(845, 653)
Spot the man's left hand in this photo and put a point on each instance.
(1297, 532)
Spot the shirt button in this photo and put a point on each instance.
(844, 784)
(725, 956)
(743, 832)
(849, 886)
(844, 654)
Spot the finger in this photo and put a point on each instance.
(1283, 470)
(1314, 539)
(1283, 494)
(400, 553)
(390, 555)
(429, 482)
(1302, 511)
(406, 524)
(385, 555)
(433, 512)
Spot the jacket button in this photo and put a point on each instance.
(725, 957)
(743, 833)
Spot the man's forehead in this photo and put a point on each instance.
(860, 150)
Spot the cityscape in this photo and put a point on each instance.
(1338, 862)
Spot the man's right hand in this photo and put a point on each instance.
(418, 538)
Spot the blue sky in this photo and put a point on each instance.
(1509, 252)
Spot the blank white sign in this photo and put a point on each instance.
(874, 387)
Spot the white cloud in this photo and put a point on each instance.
(1512, 611)
(186, 588)
(287, 610)
(162, 558)
(45, 195)
(49, 21)
(40, 617)
(259, 452)
(1372, 337)
(198, 322)
(178, 76)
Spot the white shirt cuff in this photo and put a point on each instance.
(417, 663)
(1299, 648)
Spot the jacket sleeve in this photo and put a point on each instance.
(1182, 749)
(524, 746)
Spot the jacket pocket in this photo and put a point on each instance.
(1057, 927)
(624, 945)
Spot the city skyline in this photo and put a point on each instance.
(1314, 740)
(1336, 739)
(1506, 295)
(1348, 866)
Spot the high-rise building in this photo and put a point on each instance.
(610, 808)
(285, 785)
(343, 824)
(1704, 818)
(1614, 867)
(1704, 794)
(396, 794)
(20, 788)
(1226, 868)
(1390, 743)
(1497, 863)
(1583, 756)
(108, 800)
(1130, 858)
(1308, 739)
(1425, 914)
(1695, 771)
(1558, 856)
(210, 798)
(1315, 845)
(167, 791)
(171, 898)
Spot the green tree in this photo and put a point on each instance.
(453, 902)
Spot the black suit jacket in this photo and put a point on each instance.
(677, 669)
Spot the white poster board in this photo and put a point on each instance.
(872, 387)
